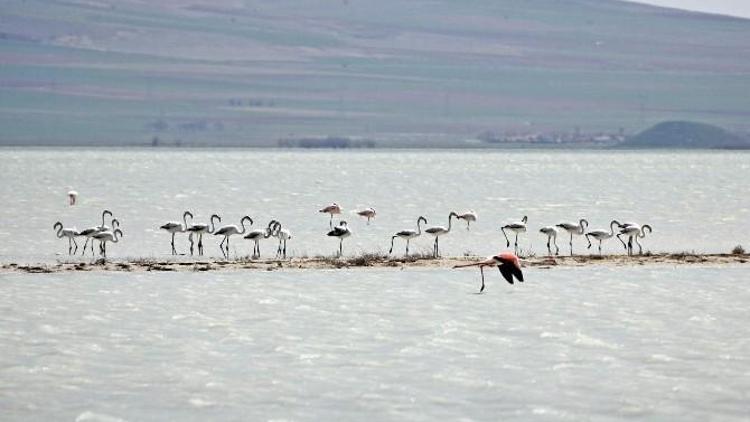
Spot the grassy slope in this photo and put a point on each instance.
(427, 71)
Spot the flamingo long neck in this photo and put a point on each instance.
(242, 223)
(59, 231)
(581, 227)
(103, 214)
(450, 221)
(115, 239)
(419, 228)
(213, 225)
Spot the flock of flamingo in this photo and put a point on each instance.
(106, 234)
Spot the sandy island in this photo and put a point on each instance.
(368, 261)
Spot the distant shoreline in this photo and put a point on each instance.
(365, 261)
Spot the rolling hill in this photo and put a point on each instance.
(678, 134)
(422, 72)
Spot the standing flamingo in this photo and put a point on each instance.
(230, 230)
(551, 232)
(633, 231)
(282, 234)
(601, 235)
(91, 231)
(200, 229)
(174, 227)
(469, 216)
(508, 264)
(517, 227)
(438, 231)
(572, 229)
(368, 213)
(332, 209)
(71, 234)
(342, 232)
(408, 234)
(256, 236)
(107, 236)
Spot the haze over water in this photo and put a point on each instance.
(695, 201)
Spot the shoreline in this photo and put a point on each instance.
(366, 261)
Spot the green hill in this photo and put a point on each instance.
(417, 72)
(685, 135)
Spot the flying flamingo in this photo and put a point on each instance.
(408, 234)
(342, 232)
(634, 231)
(508, 264)
(572, 229)
(368, 213)
(282, 234)
(200, 229)
(469, 216)
(438, 231)
(517, 227)
(551, 232)
(332, 209)
(107, 236)
(601, 235)
(231, 230)
(91, 231)
(71, 234)
(177, 227)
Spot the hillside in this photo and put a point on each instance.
(685, 135)
(422, 72)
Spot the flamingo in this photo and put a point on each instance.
(69, 233)
(368, 213)
(230, 230)
(508, 264)
(470, 217)
(517, 227)
(177, 227)
(200, 229)
(602, 235)
(107, 236)
(551, 232)
(72, 196)
(572, 229)
(332, 209)
(282, 234)
(341, 231)
(633, 231)
(256, 236)
(438, 231)
(91, 231)
(408, 234)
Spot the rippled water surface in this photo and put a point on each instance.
(595, 343)
(694, 200)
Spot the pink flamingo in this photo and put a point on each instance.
(368, 213)
(332, 209)
(507, 262)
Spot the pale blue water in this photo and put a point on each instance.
(594, 343)
(695, 201)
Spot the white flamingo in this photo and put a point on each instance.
(256, 236)
(332, 209)
(368, 213)
(438, 231)
(551, 232)
(516, 227)
(633, 231)
(71, 234)
(175, 227)
(199, 230)
(228, 231)
(342, 232)
(602, 235)
(107, 236)
(574, 229)
(91, 231)
(469, 216)
(408, 234)
(72, 196)
(282, 234)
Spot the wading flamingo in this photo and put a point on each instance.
(282, 234)
(332, 209)
(71, 234)
(438, 231)
(602, 235)
(469, 216)
(256, 236)
(91, 231)
(516, 227)
(230, 230)
(574, 229)
(200, 229)
(174, 227)
(408, 234)
(368, 213)
(107, 236)
(551, 232)
(633, 231)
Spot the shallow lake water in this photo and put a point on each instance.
(695, 201)
(594, 343)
